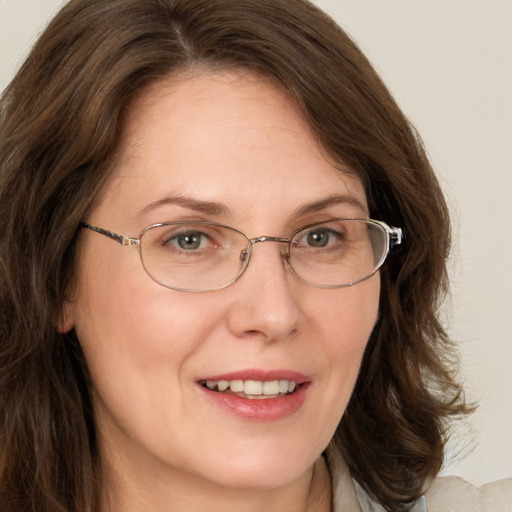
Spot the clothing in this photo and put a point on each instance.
(446, 494)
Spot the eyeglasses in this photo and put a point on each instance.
(205, 256)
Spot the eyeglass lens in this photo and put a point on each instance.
(205, 256)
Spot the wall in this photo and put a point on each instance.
(449, 65)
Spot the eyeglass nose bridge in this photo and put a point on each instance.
(252, 241)
(268, 239)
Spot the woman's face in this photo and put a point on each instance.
(230, 148)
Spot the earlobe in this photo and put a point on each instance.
(66, 320)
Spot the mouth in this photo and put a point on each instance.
(253, 389)
(257, 394)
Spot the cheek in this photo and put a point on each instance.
(138, 339)
(131, 329)
(345, 327)
(350, 315)
(138, 328)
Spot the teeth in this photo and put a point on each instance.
(270, 388)
(237, 386)
(223, 385)
(283, 386)
(253, 387)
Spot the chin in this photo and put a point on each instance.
(259, 469)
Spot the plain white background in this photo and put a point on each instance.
(449, 65)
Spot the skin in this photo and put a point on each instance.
(236, 139)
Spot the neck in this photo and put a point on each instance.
(320, 495)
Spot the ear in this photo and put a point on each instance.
(66, 320)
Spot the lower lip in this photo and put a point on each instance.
(264, 409)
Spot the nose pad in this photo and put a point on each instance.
(246, 255)
(285, 254)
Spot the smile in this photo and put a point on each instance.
(257, 395)
(252, 389)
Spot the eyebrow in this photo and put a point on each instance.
(321, 204)
(206, 207)
(217, 209)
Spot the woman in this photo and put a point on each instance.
(191, 366)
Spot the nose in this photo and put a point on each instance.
(266, 303)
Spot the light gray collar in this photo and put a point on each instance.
(348, 495)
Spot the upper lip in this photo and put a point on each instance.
(260, 375)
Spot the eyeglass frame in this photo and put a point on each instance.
(394, 238)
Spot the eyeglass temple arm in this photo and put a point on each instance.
(121, 239)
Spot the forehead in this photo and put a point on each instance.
(231, 137)
(189, 105)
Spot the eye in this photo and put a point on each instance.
(191, 240)
(319, 238)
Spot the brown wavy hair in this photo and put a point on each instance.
(60, 126)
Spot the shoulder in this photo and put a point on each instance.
(453, 494)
